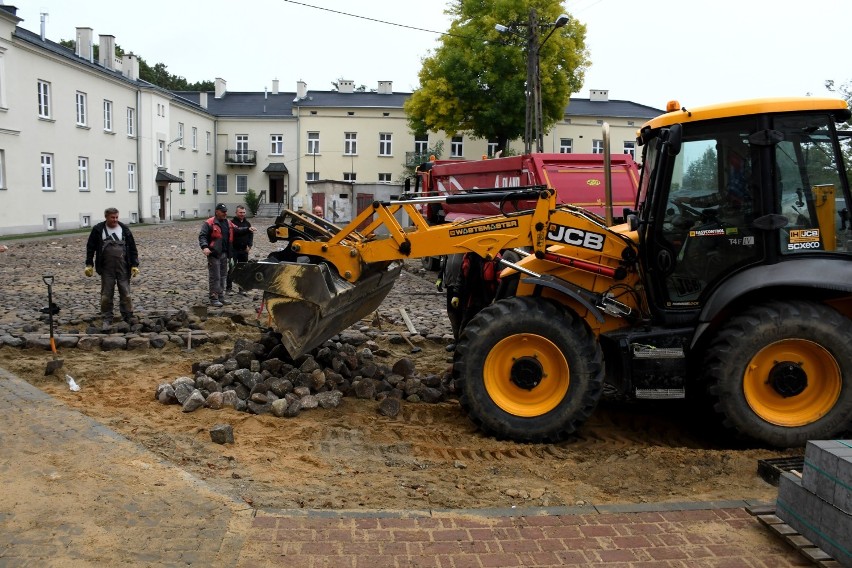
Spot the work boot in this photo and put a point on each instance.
(214, 301)
(106, 322)
(224, 300)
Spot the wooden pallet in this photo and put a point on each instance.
(766, 516)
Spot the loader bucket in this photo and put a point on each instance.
(310, 302)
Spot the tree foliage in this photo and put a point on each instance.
(157, 75)
(474, 82)
(844, 91)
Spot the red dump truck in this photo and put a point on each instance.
(579, 179)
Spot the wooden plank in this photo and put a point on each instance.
(408, 322)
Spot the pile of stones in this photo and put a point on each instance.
(259, 377)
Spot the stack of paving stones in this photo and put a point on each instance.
(259, 377)
(819, 503)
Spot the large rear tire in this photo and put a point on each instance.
(528, 370)
(781, 373)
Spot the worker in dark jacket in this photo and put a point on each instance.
(111, 252)
(216, 240)
(243, 241)
(450, 277)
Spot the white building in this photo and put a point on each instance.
(79, 135)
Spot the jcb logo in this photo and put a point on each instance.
(576, 237)
(593, 182)
(804, 235)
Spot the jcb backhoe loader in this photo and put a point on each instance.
(732, 277)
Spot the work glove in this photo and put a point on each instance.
(89, 270)
(454, 302)
(134, 272)
(439, 284)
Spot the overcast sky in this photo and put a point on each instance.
(645, 51)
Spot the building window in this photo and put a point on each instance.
(180, 134)
(631, 123)
(131, 121)
(134, 217)
(349, 176)
(312, 176)
(384, 178)
(630, 149)
(597, 147)
(194, 138)
(242, 184)
(161, 153)
(108, 175)
(350, 143)
(421, 143)
(456, 147)
(85, 220)
(313, 143)
(182, 185)
(81, 109)
(131, 177)
(43, 99)
(386, 144)
(276, 143)
(492, 148)
(242, 146)
(221, 183)
(83, 173)
(195, 182)
(599, 122)
(47, 172)
(108, 116)
(207, 142)
(566, 145)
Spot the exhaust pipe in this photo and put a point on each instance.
(607, 176)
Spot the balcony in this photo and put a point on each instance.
(241, 158)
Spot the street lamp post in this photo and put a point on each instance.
(533, 126)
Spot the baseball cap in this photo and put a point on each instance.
(221, 207)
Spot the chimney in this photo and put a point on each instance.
(301, 89)
(202, 99)
(346, 86)
(84, 43)
(599, 95)
(43, 24)
(385, 87)
(220, 86)
(130, 67)
(106, 54)
(275, 86)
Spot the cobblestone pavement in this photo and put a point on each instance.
(176, 520)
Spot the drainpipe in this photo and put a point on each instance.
(298, 157)
(215, 187)
(139, 153)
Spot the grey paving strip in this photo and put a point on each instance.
(178, 518)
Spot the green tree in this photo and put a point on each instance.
(474, 82)
(252, 201)
(844, 91)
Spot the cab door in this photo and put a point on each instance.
(699, 222)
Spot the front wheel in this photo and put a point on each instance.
(781, 373)
(528, 370)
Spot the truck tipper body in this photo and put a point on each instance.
(579, 179)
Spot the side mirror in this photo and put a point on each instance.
(674, 141)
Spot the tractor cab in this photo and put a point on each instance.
(732, 187)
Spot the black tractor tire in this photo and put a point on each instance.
(781, 373)
(528, 370)
(431, 263)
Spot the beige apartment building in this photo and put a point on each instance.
(78, 135)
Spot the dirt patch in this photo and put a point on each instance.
(430, 456)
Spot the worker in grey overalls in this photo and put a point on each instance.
(111, 251)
